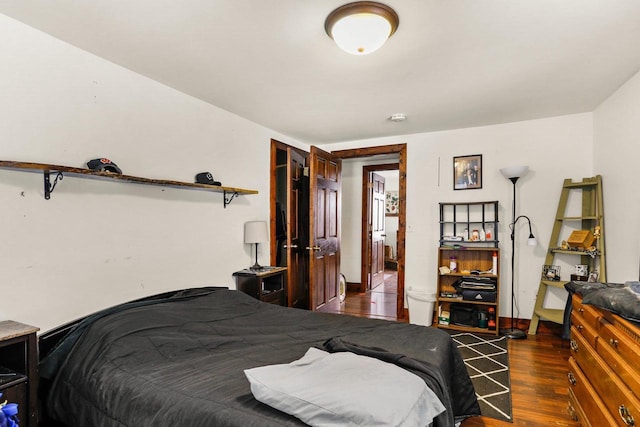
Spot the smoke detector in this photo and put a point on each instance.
(398, 117)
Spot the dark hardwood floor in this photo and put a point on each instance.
(379, 303)
(539, 388)
(538, 364)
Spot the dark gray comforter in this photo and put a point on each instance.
(179, 360)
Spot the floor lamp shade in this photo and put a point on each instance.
(255, 232)
(514, 172)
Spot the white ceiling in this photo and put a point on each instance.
(451, 64)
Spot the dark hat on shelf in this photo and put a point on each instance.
(103, 165)
(206, 178)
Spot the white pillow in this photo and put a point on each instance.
(346, 389)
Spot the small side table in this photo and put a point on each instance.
(19, 369)
(267, 285)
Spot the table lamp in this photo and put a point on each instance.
(255, 232)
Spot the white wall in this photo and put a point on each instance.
(350, 233)
(616, 158)
(554, 149)
(97, 243)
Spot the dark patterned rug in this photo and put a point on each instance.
(487, 362)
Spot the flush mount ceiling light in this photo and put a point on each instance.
(361, 27)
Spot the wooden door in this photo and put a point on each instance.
(324, 228)
(297, 230)
(290, 219)
(376, 229)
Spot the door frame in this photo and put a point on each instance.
(366, 254)
(401, 151)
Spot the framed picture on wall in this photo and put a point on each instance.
(467, 172)
(391, 203)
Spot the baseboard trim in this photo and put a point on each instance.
(353, 287)
(545, 327)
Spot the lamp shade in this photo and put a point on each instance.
(514, 171)
(362, 27)
(255, 232)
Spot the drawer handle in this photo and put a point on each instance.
(580, 327)
(572, 379)
(574, 345)
(572, 412)
(627, 418)
(581, 310)
(613, 342)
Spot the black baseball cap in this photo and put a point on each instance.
(103, 165)
(206, 178)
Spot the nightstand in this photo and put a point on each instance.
(268, 284)
(19, 369)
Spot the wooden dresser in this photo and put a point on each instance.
(604, 368)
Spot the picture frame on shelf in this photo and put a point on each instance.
(551, 272)
(467, 172)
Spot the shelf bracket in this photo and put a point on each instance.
(231, 196)
(48, 188)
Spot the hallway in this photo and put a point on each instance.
(379, 303)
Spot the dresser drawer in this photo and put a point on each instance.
(621, 354)
(575, 410)
(582, 396)
(628, 337)
(590, 316)
(583, 328)
(615, 394)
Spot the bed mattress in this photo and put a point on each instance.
(179, 360)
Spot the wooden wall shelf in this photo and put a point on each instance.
(60, 171)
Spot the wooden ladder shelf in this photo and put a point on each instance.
(592, 216)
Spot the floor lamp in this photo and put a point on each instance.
(255, 232)
(513, 174)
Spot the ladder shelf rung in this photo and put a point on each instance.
(555, 283)
(579, 218)
(570, 252)
(556, 315)
(581, 184)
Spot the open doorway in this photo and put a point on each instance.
(380, 242)
(373, 215)
(368, 303)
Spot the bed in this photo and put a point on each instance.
(178, 359)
